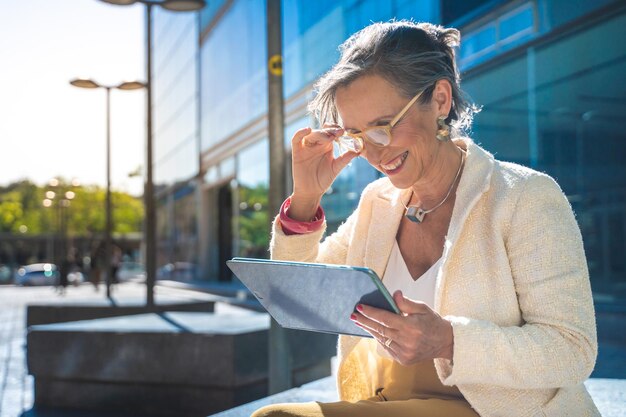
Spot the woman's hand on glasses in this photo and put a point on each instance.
(314, 168)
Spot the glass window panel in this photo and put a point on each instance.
(175, 104)
(478, 42)
(343, 196)
(502, 125)
(581, 133)
(252, 212)
(179, 165)
(563, 11)
(184, 233)
(253, 165)
(234, 79)
(227, 168)
(212, 175)
(517, 22)
(314, 52)
(452, 10)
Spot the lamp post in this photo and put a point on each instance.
(128, 85)
(150, 225)
(60, 196)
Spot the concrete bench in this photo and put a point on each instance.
(60, 311)
(176, 363)
(608, 394)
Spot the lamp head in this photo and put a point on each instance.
(84, 83)
(183, 5)
(131, 85)
(120, 2)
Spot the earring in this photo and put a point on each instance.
(443, 133)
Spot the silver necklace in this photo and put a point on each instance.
(416, 214)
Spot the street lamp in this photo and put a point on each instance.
(150, 232)
(127, 85)
(62, 196)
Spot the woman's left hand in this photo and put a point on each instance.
(417, 334)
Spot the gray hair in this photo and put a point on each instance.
(411, 56)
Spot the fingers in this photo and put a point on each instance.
(408, 306)
(309, 137)
(380, 331)
(299, 135)
(383, 335)
(380, 316)
(416, 334)
(342, 161)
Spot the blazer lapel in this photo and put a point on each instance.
(387, 209)
(475, 181)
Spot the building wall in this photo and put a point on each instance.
(553, 104)
(175, 134)
(546, 73)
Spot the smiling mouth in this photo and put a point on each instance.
(396, 163)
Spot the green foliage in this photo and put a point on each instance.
(21, 204)
(10, 214)
(253, 221)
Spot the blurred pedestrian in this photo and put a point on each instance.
(64, 270)
(97, 265)
(116, 261)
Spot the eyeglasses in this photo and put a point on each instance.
(377, 135)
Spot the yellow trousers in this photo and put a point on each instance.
(399, 391)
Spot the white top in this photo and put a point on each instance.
(398, 277)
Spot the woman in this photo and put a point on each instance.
(484, 258)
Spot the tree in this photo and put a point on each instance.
(253, 221)
(21, 204)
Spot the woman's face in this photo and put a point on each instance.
(370, 101)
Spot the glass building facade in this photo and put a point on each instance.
(547, 73)
(176, 154)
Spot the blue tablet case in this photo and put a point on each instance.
(310, 296)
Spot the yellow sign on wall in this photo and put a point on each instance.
(275, 65)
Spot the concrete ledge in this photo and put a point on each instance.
(323, 390)
(176, 363)
(609, 396)
(62, 311)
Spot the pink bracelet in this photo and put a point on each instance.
(295, 227)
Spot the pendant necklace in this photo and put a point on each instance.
(416, 214)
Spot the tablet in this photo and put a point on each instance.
(311, 296)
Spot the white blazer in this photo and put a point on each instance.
(513, 282)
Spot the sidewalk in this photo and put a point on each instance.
(16, 386)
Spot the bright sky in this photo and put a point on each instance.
(49, 128)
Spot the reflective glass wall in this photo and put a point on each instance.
(558, 107)
(233, 77)
(175, 136)
(547, 73)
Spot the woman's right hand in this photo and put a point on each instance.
(314, 168)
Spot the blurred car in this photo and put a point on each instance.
(37, 274)
(5, 275)
(177, 271)
(131, 271)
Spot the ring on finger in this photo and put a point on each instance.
(388, 342)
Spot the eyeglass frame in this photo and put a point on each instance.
(362, 136)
